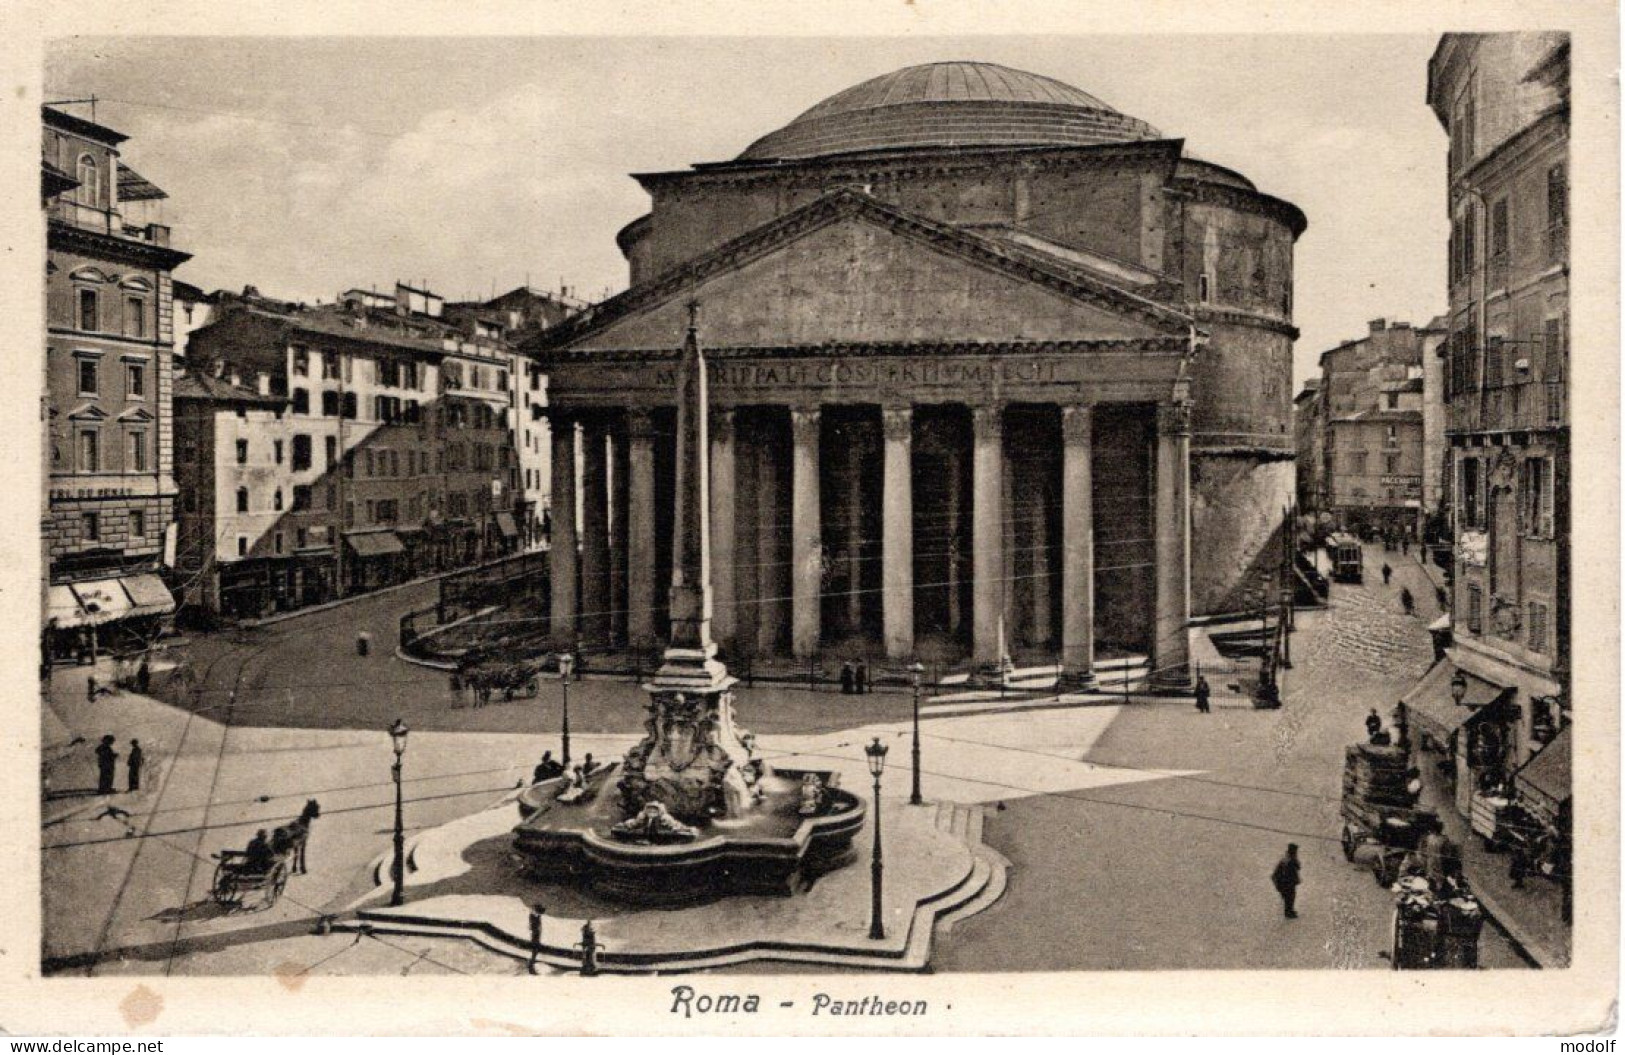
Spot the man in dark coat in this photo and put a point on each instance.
(106, 762)
(860, 677)
(137, 756)
(1387, 573)
(1373, 724)
(847, 678)
(1286, 878)
(1203, 695)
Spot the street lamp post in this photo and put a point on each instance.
(567, 665)
(876, 753)
(397, 737)
(915, 670)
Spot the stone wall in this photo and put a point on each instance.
(1236, 509)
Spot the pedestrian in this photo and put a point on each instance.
(106, 762)
(1407, 600)
(90, 689)
(860, 677)
(546, 769)
(1203, 695)
(1387, 573)
(143, 676)
(1518, 870)
(847, 676)
(1402, 727)
(137, 756)
(1405, 544)
(1286, 877)
(1373, 724)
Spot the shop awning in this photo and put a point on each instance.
(373, 543)
(63, 606)
(1431, 704)
(103, 600)
(506, 525)
(1441, 623)
(1545, 778)
(150, 595)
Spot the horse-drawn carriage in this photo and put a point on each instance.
(257, 876)
(1381, 822)
(487, 678)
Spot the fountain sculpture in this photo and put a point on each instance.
(694, 812)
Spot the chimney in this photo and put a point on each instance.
(1378, 325)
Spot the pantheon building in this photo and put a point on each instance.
(993, 369)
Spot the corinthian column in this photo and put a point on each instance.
(723, 533)
(806, 548)
(1077, 543)
(1170, 649)
(640, 531)
(562, 555)
(897, 533)
(987, 530)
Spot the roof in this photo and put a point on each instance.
(219, 390)
(845, 202)
(192, 294)
(89, 129)
(132, 186)
(950, 104)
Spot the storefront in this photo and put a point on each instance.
(1465, 720)
(83, 619)
(378, 559)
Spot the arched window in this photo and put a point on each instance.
(90, 181)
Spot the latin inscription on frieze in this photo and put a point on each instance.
(966, 374)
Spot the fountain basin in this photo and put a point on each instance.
(769, 850)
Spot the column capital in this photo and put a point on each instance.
(722, 424)
(1174, 419)
(897, 422)
(1077, 422)
(988, 420)
(640, 422)
(804, 423)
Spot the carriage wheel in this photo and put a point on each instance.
(1348, 843)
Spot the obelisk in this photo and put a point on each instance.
(692, 759)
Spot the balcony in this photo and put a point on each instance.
(103, 221)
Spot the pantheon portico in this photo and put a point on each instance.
(956, 371)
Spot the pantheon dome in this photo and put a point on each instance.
(950, 104)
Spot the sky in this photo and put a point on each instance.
(305, 166)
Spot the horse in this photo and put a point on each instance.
(290, 839)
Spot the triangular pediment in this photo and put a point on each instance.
(848, 269)
(137, 414)
(88, 412)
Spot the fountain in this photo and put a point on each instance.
(694, 813)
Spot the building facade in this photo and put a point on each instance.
(1503, 101)
(1371, 442)
(985, 355)
(109, 492)
(1309, 436)
(338, 448)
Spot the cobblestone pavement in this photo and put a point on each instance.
(1141, 836)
